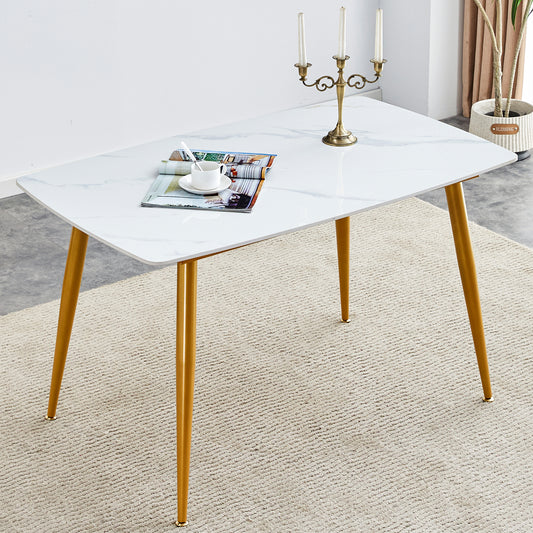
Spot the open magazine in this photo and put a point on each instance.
(245, 171)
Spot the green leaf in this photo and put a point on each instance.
(516, 4)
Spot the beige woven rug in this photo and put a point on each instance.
(301, 423)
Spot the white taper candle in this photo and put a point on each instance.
(378, 50)
(302, 54)
(342, 34)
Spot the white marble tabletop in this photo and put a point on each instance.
(399, 154)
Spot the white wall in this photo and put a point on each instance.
(406, 27)
(445, 58)
(82, 78)
(423, 46)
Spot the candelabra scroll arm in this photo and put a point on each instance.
(352, 82)
(321, 84)
(378, 68)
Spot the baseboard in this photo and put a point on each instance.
(376, 94)
(9, 188)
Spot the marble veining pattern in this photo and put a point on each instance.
(399, 154)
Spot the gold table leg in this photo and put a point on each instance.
(342, 227)
(67, 309)
(185, 362)
(467, 268)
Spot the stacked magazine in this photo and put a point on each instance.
(246, 171)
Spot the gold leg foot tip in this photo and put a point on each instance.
(182, 524)
(49, 417)
(488, 400)
(347, 321)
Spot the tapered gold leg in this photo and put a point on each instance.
(467, 268)
(342, 227)
(185, 363)
(67, 309)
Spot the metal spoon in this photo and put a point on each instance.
(190, 154)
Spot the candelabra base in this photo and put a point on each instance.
(339, 137)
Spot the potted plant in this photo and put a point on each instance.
(504, 121)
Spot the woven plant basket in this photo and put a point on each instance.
(513, 133)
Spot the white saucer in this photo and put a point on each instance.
(185, 183)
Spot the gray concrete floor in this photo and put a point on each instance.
(34, 243)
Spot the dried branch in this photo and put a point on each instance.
(496, 37)
(497, 62)
(526, 13)
(488, 23)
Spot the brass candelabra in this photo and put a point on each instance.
(340, 136)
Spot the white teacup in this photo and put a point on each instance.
(209, 176)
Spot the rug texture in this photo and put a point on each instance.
(302, 423)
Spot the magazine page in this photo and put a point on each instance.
(246, 172)
(240, 164)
